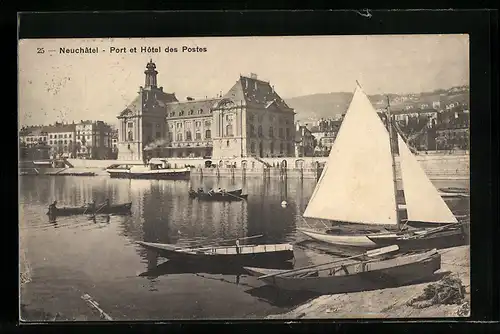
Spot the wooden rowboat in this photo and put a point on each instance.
(111, 209)
(224, 254)
(237, 192)
(357, 276)
(425, 239)
(221, 197)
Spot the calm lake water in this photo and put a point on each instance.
(77, 256)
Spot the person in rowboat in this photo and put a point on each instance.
(52, 208)
(92, 206)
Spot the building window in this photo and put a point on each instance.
(260, 130)
(65, 141)
(287, 132)
(207, 123)
(208, 134)
(198, 124)
(227, 143)
(281, 133)
(188, 135)
(60, 136)
(130, 125)
(50, 136)
(200, 111)
(271, 132)
(179, 125)
(229, 130)
(179, 137)
(252, 130)
(50, 142)
(198, 135)
(252, 147)
(271, 147)
(281, 148)
(130, 136)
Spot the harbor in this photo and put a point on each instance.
(257, 202)
(102, 258)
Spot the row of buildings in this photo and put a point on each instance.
(425, 129)
(85, 139)
(249, 119)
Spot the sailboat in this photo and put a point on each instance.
(358, 186)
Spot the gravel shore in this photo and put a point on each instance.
(389, 303)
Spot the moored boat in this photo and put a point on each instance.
(111, 209)
(355, 276)
(225, 254)
(155, 169)
(358, 186)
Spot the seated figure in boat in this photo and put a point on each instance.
(92, 206)
(52, 208)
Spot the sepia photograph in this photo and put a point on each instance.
(213, 178)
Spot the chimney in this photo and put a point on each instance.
(272, 88)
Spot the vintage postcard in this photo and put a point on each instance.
(244, 178)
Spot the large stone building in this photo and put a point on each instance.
(89, 139)
(251, 119)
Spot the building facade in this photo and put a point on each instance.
(251, 119)
(93, 140)
(304, 141)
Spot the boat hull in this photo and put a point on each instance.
(442, 239)
(163, 175)
(221, 197)
(170, 252)
(112, 209)
(360, 241)
(390, 273)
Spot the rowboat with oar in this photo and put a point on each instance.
(81, 210)
(358, 186)
(344, 276)
(194, 194)
(240, 255)
(223, 196)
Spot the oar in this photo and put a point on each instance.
(370, 253)
(228, 193)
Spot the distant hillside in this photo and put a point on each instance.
(327, 105)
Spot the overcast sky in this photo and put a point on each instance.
(69, 87)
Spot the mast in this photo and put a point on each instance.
(391, 141)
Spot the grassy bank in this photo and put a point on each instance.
(390, 303)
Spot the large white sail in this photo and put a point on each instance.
(423, 202)
(357, 184)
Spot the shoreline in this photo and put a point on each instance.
(391, 302)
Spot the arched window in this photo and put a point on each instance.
(179, 137)
(260, 131)
(229, 130)
(208, 134)
(271, 132)
(188, 135)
